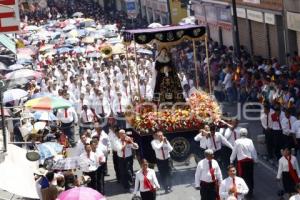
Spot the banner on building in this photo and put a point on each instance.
(9, 16)
(131, 8)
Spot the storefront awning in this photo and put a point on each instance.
(8, 43)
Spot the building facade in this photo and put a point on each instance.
(261, 24)
(292, 12)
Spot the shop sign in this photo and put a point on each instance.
(255, 16)
(270, 18)
(293, 21)
(241, 12)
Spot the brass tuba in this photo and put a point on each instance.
(106, 51)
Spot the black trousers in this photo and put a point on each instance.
(269, 141)
(100, 180)
(225, 156)
(246, 171)
(116, 165)
(125, 169)
(165, 170)
(148, 195)
(93, 182)
(288, 141)
(278, 142)
(208, 191)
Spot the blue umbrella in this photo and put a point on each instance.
(82, 32)
(79, 49)
(49, 149)
(44, 116)
(69, 27)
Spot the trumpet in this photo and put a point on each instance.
(106, 51)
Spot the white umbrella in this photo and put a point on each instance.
(15, 67)
(155, 25)
(23, 73)
(31, 28)
(2, 66)
(13, 94)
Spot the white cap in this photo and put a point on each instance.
(243, 132)
(208, 152)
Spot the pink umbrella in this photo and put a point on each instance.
(26, 51)
(81, 193)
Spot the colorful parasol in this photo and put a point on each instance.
(47, 103)
(24, 73)
(79, 193)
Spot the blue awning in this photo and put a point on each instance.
(9, 43)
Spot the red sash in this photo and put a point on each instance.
(292, 171)
(147, 183)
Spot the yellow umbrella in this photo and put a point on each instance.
(73, 33)
(118, 49)
(47, 47)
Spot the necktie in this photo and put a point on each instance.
(234, 186)
(278, 119)
(120, 105)
(163, 153)
(268, 120)
(234, 135)
(290, 126)
(292, 171)
(214, 141)
(102, 109)
(211, 171)
(66, 112)
(86, 115)
(126, 92)
(123, 151)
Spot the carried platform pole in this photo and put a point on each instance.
(137, 71)
(128, 71)
(196, 65)
(208, 64)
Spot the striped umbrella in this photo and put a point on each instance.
(47, 103)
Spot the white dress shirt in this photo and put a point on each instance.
(116, 108)
(296, 128)
(287, 124)
(162, 149)
(86, 116)
(139, 180)
(113, 139)
(219, 140)
(232, 135)
(243, 148)
(104, 141)
(127, 150)
(266, 120)
(203, 172)
(228, 80)
(295, 197)
(283, 166)
(71, 115)
(80, 146)
(92, 160)
(276, 125)
(202, 139)
(227, 184)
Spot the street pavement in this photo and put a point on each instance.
(266, 186)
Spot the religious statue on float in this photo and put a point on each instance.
(167, 83)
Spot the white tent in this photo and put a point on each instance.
(16, 173)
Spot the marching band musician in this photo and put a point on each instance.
(202, 138)
(124, 145)
(162, 149)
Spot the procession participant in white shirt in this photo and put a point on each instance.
(79, 148)
(233, 185)
(91, 171)
(246, 155)
(296, 133)
(146, 182)
(288, 171)
(86, 117)
(215, 140)
(100, 170)
(202, 138)
(162, 149)
(208, 176)
(68, 118)
(287, 122)
(120, 104)
(266, 122)
(125, 145)
(233, 133)
(296, 196)
(104, 143)
(277, 131)
(113, 137)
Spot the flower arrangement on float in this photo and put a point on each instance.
(200, 109)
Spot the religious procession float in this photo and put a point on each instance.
(178, 117)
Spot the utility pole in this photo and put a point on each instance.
(2, 88)
(237, 49)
